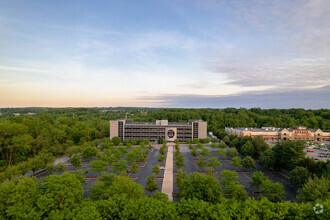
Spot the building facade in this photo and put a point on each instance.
(153, 131)
(272, 133)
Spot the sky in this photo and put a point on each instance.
(163, 53)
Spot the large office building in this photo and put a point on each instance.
(153, 131)
(272, 133)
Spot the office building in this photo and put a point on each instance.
(126, 129)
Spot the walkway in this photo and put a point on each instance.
(167, 187)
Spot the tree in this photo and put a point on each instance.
(76, 160)
(180, 177)
(60, 167)
(232, 152)
(202, 187)
(98, 166)
(134, 168)
(248, 163)
(234, 143)
(120, 166)
(259, 145)
(204, 152)
(116, 141)
(108, 185)
(314, 189)
(213, 162)
(222, 145)
(248, 149)
(162, 150)
(299, 176)
(151, 184)
(161, 158)
(213, 145)
(274, 191)
(60, 192)
(289, 153)
(179, 161)
(257, 179)
(201, 163)
(90, 152)
(214, 140)
(268, 158)
(156, 169)
(236, 162)
(232, 187)
(221, 152)
(226, 139)
(194, 152)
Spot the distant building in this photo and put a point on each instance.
(153, 131)
(16, 114)
(272, 133)
(31, 113)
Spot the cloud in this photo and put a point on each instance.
(309, 99)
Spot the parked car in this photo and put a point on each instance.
(310, 151)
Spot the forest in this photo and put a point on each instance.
(32, 142)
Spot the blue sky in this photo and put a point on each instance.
(268, 54)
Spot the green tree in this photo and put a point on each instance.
(98, 166)
(180, 177)
(151, 184)
(179, 161)
(156, 169)
(213, 162)
(221, 152)
(289, 153)
(161, 158)
(204, 152)
(314, 189)
(202, 187)
(236, 162)
(248, 163)
(232, 152)
(268, 158)
(109, 185)
(120, 166)
(222, 145)
(60, 167)
(194, 152)
(90, 152)
(76, 160)
(134, 168)
(226, 139)
(274, 191)
(299, 176)
(116, 141)
(234, 143)
(259, 145)
(18, 199)
(232, 187)
(201, 163)
(248, 149)
(257, 179)
(60, 192)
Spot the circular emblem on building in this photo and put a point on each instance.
(170, 133)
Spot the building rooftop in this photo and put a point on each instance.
(158, 122)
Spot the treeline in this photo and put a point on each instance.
(118, 197)
(24, 137)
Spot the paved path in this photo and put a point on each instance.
(167, 186)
